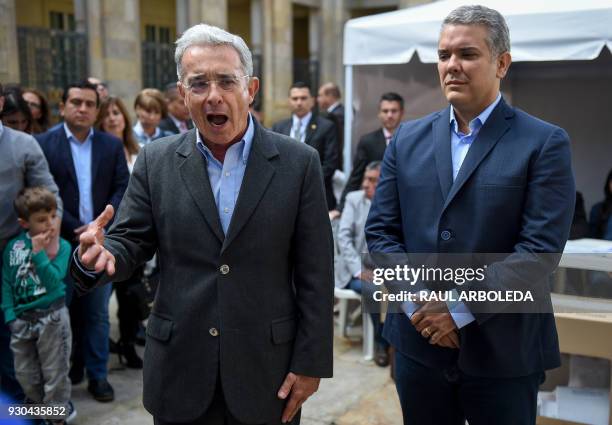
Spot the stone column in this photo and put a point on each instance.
(9, 55)
(212, 12)
(333, 15)
(277, 58)
(314, 42)
(119, 26)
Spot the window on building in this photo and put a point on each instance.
(62, 21)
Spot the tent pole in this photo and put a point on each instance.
(348, 119)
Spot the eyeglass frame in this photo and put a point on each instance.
(216, 82)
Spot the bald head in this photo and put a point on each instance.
(329, 93)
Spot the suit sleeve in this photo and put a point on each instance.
(546, 220)
(359, 165)
(330, 153)
(132, 238)
(313, 278)
(37, 172)
(383, 228)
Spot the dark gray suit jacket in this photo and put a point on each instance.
(266, 287)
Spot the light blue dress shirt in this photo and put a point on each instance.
(460, 145)
(226, 178)
(81, 158)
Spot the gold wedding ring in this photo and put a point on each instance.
(427, 332)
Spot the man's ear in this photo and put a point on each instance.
(503, 64)
(61, 108)
(23, 223)
(253, 88)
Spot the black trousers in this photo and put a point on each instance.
(218, 414)
(128, 311)
(449, 397)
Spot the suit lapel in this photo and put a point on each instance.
(97, 151)
(311, 128)
(494, 128)
(195, 176)
(66, 155)
(442, 151)
(256, 179)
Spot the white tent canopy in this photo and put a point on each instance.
(539, 31)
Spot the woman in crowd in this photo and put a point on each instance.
(150, 108)
(113, 118)
(16, 113)
(39, 107)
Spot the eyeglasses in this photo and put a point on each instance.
(34, 105)
(200, 86)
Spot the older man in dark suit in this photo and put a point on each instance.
(314, 130)
(241, 328)
(476, 177)
(90, 170)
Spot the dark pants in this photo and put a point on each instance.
(128, 311)
(367, 290)
(218, 414)
(449, 397)
(90, 328)
(9, 387)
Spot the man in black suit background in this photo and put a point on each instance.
(178, 120)
(331, 107)
(371, 146)
(314, 130)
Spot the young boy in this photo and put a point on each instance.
(33, 302)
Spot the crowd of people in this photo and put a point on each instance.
(56, 187)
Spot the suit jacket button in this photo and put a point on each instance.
(224, 269)
(213, 331)
(445, 235)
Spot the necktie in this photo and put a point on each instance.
(297, 131)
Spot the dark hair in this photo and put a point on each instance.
(498, 35)
(128, 139)
(31, 200)
(1, 92)
(84, 84)
(392, 97)
(42, 124)
(14, 103)
(606, 207)
(300, 85)
(374, 165)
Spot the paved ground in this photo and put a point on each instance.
(359, 394)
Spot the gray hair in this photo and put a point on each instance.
(374, 165)
(498, 38)
(208, 35)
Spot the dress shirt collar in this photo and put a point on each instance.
(140, 132)
(177, 122)
(71, 137)
(333, 106)
(477, 122)
(303, 121)
(388, 135)
(247, 139)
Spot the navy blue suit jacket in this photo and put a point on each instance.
(514, 194)
(109, 172)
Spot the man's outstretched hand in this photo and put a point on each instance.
(92, 253)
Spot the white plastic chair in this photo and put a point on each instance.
(344, 295)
